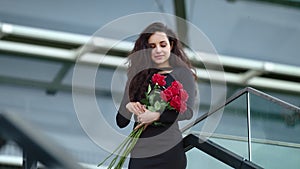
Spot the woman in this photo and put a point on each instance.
(157, 50)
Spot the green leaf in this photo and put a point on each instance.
(145, 101)
(151, 108)
(163, 105)
(157, 105)
(151, 99)
(149, 89)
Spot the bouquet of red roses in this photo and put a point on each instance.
(158, 98)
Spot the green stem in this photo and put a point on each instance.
(120, 146)
(122, 157)
(129, 148)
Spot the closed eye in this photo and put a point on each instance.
(163, 44)
(151, 45)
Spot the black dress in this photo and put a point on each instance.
(161, 147)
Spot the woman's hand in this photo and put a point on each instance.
(147, 118)
(135, 107)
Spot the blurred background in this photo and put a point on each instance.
(257, 42)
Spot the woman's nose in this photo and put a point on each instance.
(158, 49)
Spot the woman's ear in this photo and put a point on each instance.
(171, 44)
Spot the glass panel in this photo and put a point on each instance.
(275, 134)
(231, 127)
(198, 159)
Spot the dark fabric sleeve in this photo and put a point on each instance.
(185, 77)
(123, 116)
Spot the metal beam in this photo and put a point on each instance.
(43, 34)
(289, 3)
(58, 79)
(37, 50)
(182, 28)
(47, 85)
(249, 75)
(279, 72)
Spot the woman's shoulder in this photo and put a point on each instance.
(183, 74)
(182, 71)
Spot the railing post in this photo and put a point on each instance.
(28, 161)
(249, 127)
(2, 142)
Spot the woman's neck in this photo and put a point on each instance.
(165, 70)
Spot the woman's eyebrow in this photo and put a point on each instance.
(159, 42)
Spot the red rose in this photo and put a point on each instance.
(175, 103)
(183, 95)
(166, 95)
(177, 84)
(182, 107)
(174, 90)
(158, 79)
(178, 104)
(175, 94)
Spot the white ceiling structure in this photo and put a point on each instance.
(257, 42)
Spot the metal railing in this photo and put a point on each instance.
(36, 146)
(218, 152)
(190, 139)
(237, 95)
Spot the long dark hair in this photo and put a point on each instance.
(140, 65)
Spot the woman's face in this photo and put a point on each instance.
(161, 49)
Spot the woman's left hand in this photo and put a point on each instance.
(147, 118)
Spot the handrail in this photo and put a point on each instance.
(218, 152)
(273, 99)
(237, 95)
(36, 146)
(205, 115)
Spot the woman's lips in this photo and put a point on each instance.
(158, 56)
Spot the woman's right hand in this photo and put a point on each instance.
(135, 107)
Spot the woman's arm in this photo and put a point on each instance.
(123, 116)
(126, 110)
